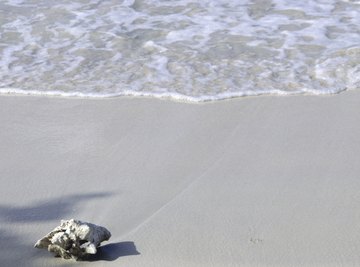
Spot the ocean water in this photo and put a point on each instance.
(182, 49)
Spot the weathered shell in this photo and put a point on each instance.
(74, 239)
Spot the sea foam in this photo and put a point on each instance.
(184, 49)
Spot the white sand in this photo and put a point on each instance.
(261, 181)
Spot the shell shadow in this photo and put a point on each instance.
(113, 251)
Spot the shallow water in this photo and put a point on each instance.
(184, 49)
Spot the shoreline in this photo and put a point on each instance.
(179, 98)
(250, 181)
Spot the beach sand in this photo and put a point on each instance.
(255, 181)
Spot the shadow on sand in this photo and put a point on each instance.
(47, 210)
(113, 251)
(18, 251)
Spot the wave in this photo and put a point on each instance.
(189, 50)
(170, 96)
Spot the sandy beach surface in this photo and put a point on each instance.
(257, 181)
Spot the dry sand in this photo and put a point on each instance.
(258, 181)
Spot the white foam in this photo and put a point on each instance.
(189, 50)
